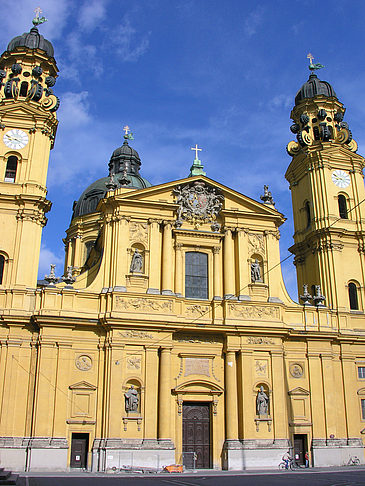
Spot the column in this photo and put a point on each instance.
(151, 394)
(167, 267)
(231, 396)
(243, 275)
(217, 273)
(164, 399)
(120, 260)
(77, 254)
(154, 279)
(229, 273)
(178, 270)
(351, 398)
(279, 412)
(330, 394)
(248, 400)
(316, 389)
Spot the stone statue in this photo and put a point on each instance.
(255, 272)
(137, 262)
(262, 402)
(131, 400)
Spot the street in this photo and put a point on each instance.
(352, 477)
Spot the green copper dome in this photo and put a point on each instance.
(124, 168)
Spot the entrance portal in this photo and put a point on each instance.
(196, 435)
(79, 449)
(300, 447)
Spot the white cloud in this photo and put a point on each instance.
(127, 45)
(91, 14)
(253, 21)
(74, 109)
(46, 257)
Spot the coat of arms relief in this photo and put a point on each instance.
(198, 203)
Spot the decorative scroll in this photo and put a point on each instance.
(259, 340)
(198, 338)
(138, 232)
(196, 310)
(135, 334)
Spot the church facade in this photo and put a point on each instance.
(170, 338)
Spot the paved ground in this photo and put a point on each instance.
(352, 476)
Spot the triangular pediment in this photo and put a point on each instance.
(298, 391)
(22, 109)
(234, 202)
(82, 385)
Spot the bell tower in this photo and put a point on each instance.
(327, 186)
(28, 126)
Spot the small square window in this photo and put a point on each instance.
(361, 372)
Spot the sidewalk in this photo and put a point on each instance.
(196, 473)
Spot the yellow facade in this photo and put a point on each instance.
(121, 364)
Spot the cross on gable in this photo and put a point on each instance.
(196, 150)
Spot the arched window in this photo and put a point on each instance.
(23, 89)
(354, 302)
(308, 214)
(2, 265)
(196, 275)
(11, 167)
(342, 206)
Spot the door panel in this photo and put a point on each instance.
(79, 450)
(196, 434)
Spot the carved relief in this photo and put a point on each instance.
(254, 312)
(296, 370)
(83, 362)
(134, 362)
(198, 338)
(196, 310)
(256, 243)
(197, 366)
(260, 340)
(138, 232)
(143, 305)
(197, 203)
(135, 334)
(261, 367)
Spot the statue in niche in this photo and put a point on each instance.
(131, 400)
(137, 262)
(262, 402)
(255, 272)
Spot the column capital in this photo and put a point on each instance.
(178, 246)
(167, 222)
(153, 220)
(216, 249)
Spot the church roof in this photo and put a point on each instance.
(32, 40)
(314, 87)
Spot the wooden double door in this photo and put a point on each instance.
(196, 435)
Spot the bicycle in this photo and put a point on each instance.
(354, 461)
(292, 464)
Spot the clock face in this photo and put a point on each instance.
(341, 178)
(15, 139)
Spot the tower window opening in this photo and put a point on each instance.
(361, 372)
(2, 265)
(354, 303)
(196, 275)
(11, 168)
(308, 214)
(363, 409)
(23, 89)
(342, 206)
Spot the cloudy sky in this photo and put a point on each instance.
(180, 72)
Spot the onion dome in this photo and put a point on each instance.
(314, 87)
(124, 168)
(32, 40)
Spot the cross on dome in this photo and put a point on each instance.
(310, 57)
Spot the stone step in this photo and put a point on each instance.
(7, 477)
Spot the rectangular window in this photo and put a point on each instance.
(196, 275)
(361, 372)
(363, 408)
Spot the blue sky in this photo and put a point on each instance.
(220, 74)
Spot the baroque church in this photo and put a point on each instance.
(170, 338)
